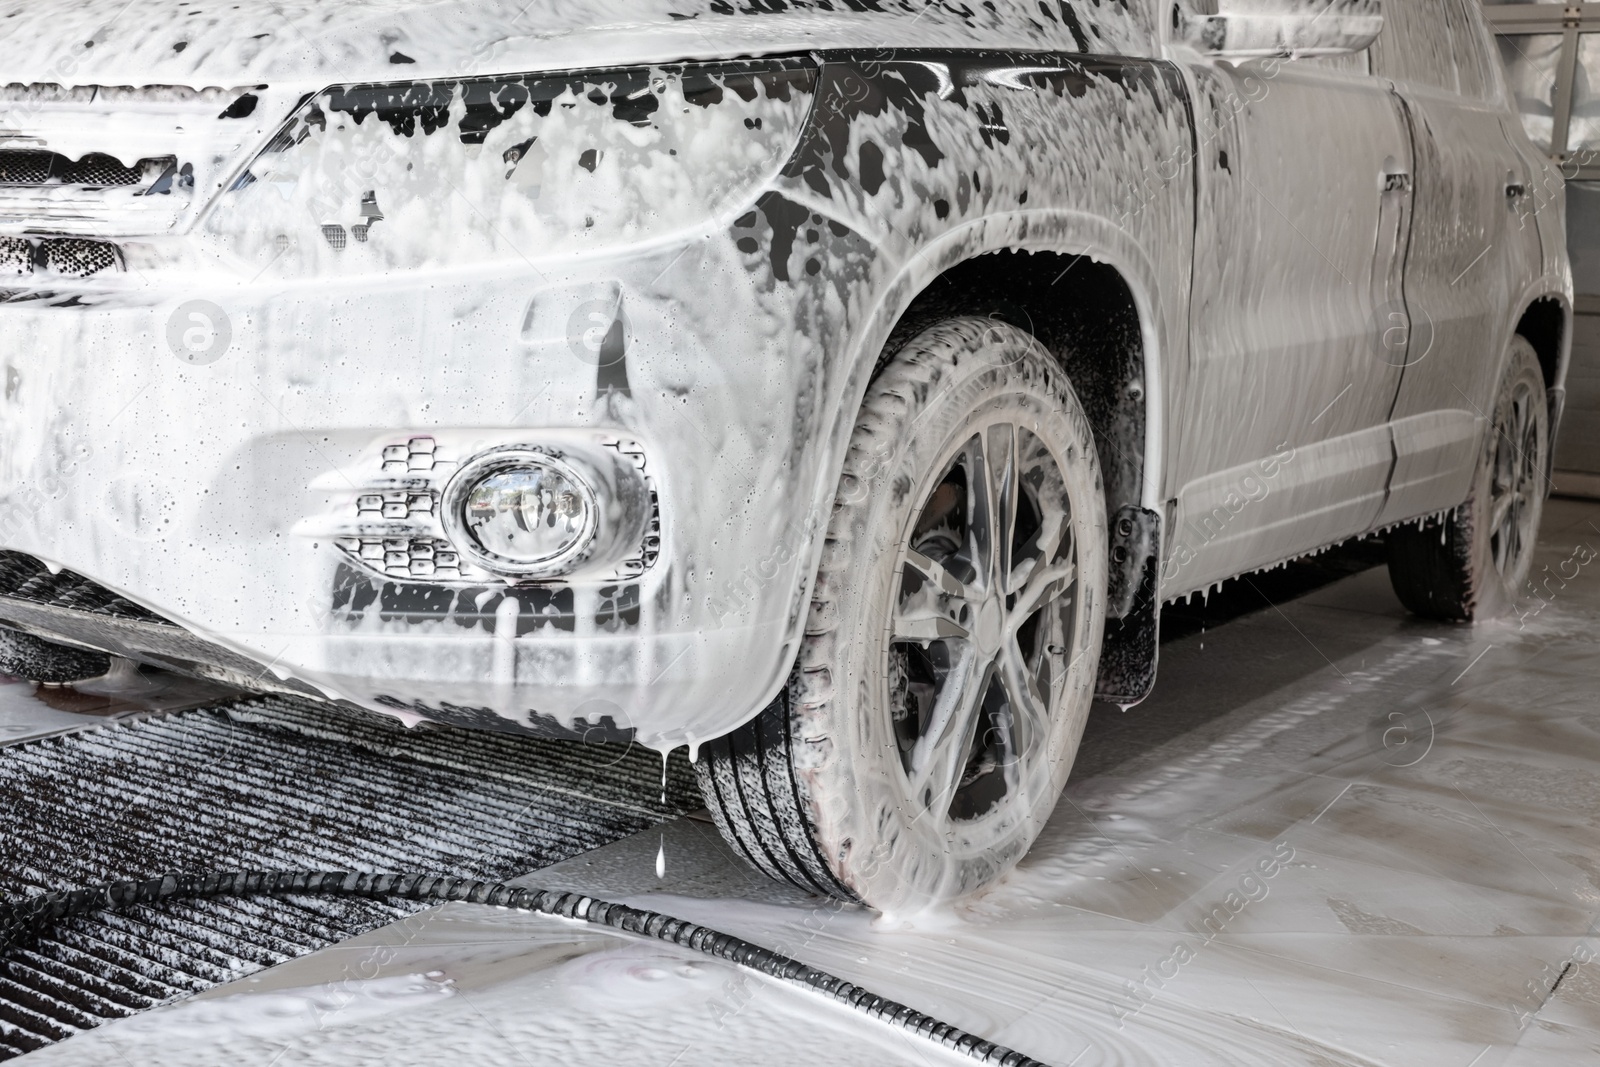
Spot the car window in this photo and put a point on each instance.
(1416, 46)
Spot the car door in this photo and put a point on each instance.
(1473, 243)
(1300, 235)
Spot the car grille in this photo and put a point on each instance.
(71, 257)
(111, 161)
(95, 170)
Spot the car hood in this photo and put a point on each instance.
(212, 43)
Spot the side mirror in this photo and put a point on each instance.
(1253, 29)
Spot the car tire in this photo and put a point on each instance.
(1472, 565)
(954, 632)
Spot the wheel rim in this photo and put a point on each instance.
(982, 625)
(1516, 481)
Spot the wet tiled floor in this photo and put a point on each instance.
(1334, 835)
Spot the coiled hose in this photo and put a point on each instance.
(28, 917)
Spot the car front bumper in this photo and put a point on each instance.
(222, 493)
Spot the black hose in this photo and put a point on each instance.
(28, 917)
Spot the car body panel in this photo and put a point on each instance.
(407, 310)
(1285, 358)
(751, 337)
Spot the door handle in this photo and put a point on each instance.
(1396, 181)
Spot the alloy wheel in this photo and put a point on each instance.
(1516, 481)
(983, 625)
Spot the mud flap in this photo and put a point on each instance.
(1556, 398)
(1133, 606)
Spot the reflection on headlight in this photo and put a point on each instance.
(529, 515)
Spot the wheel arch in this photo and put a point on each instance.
(1096, 297)
(1546, 322)
(1057, 275)
(1084, 313)
(1544, 319)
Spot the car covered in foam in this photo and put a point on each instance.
(565, 367)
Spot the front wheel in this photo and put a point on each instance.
(1474, 567)
(950, 651)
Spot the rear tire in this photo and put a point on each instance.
(950, 651)
(1473, 564)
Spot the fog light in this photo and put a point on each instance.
(521, 512)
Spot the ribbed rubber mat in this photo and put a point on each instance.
(275, 783)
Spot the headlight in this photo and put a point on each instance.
(375, 177)
(522, 513)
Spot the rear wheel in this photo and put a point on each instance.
(950, 651)
(1474, 566)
